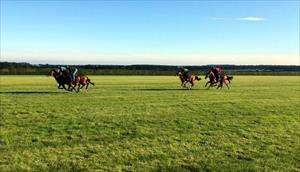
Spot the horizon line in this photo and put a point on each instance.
(132, 64)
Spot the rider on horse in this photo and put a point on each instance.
(73, 71)
(63, 70)
(68, 71)
(185, 72)
(217, 72)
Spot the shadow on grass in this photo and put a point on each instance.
(167, 89)
(32, 92)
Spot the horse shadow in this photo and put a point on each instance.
(166, 89)
(32, 92)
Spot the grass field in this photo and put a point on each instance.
(146, 123)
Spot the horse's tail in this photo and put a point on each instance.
(230, 78)
(89, 81)
(197, 78)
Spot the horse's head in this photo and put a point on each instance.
(179, 73)
(53, 72)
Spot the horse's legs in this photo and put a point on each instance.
(78, 88)
(206, 83)
(192, 84)
(210, 84)
(61, 86)
(215, 83)
(80, 85)
(70, 87)
(184, 84)
(220, 84)
(226, 85)
(87, 86)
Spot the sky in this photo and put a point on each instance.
(150, 32)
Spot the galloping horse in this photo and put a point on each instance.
(81, 81)
(191, 80)
(212, 82)
(61, 79)
(223, 80)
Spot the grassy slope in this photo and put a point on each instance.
(145, 123)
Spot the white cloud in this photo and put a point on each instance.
(251, 18)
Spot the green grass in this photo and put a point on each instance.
(146, 123)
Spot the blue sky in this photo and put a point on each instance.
(150, 32)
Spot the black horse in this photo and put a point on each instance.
(62, 79)
(191, 79)
(224, 78)
(211, 80)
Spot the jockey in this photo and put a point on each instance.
(217, 72)
(185, 73)
(73, 71)
(62, 69)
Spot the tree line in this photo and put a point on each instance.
(12, 68)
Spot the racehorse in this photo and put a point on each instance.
(212, 82)
(223, 80)
(81, 81)
(61, 79)
(191, 80)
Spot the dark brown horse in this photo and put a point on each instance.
(211, 80)
(61, 79)
(191, 80)
(81, 81)
(224, 79)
